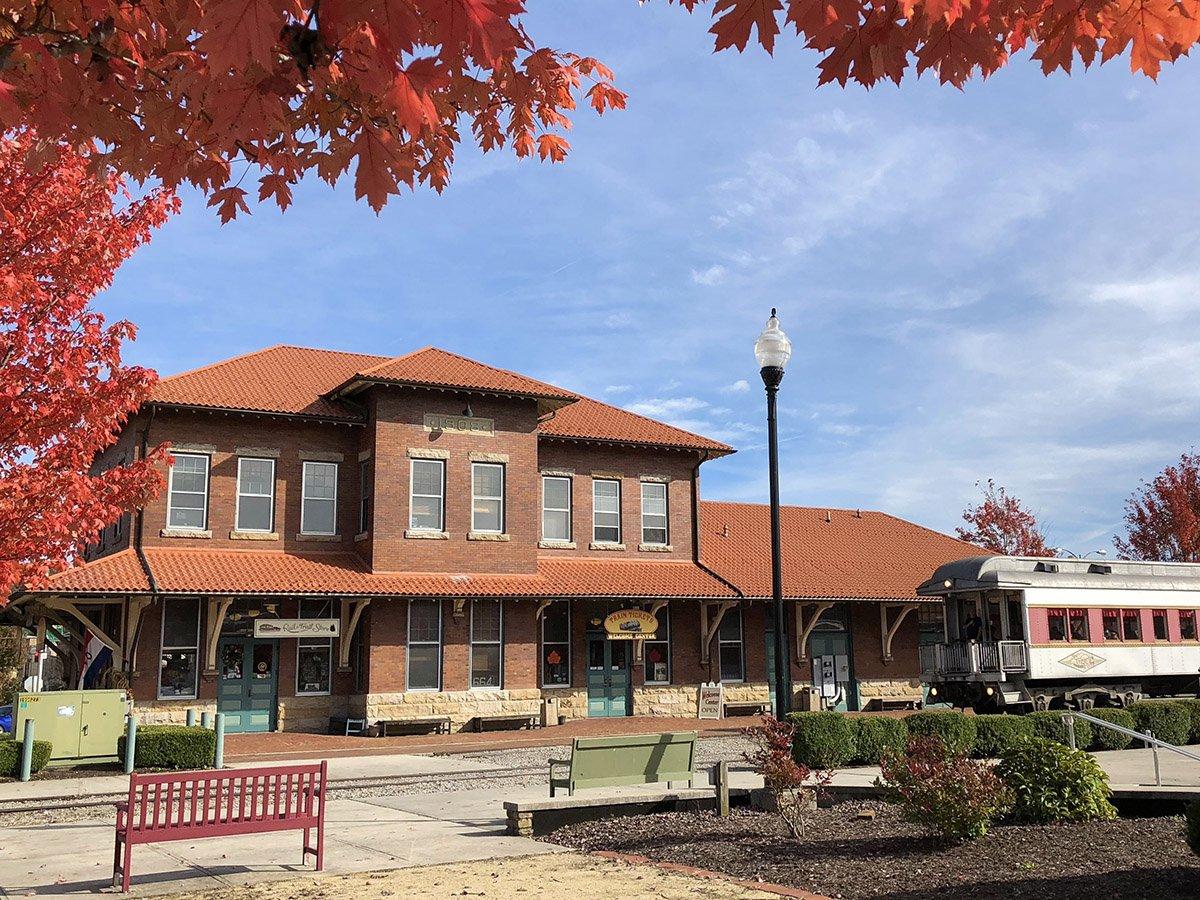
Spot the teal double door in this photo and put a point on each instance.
(249, 682)
(608, 681)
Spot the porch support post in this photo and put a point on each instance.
(351, 614)
(217, 608)
(888, 632)
(711, 614)
(804, 629)
(135, 606)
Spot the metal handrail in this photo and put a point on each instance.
(1148, 737)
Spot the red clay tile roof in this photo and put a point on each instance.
(432, 367)
(588, 419)
(278, 379)
(186, 571)
(868, 555)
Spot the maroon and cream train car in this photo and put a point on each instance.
(1030, 632)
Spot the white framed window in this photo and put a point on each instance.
(487, 644)
(730, 653)
(428, 495)
(606, 510)
(318, 505)
(364, 496)
(256, 495)
(187, 491)
(556, 644)
(424, 645)
(658, 651)
(556, 508)
(654, 513)
(314, 656)
(180, 642)
(487, 497)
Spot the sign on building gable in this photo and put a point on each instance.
(296, 628)
(628, 624)
(479, 425)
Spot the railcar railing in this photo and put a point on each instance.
(986, 658)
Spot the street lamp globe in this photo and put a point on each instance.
(773, 348)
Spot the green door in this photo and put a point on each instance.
(608, 676)
(246, 694)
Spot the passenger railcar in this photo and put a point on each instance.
(1025, 632)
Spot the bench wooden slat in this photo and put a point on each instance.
(627, 760)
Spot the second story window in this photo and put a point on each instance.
(428, 495)
(606, 511)
(364, 497)
(256, 495)
(487, 497)
(318, 510)
(654, 513)
(187, 492)
(556, 508)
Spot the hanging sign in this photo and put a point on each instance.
(630, 624)
(711, 700)
(296, 628)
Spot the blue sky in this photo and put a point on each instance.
(997, 282)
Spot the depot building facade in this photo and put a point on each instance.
(426, 535)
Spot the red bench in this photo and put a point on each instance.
(179, 806)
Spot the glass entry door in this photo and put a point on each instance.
(608, 676)
(248, 683)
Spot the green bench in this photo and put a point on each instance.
(626, 759)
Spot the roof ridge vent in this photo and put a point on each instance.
(1099, 569)
(828, 517)
(1046, 567)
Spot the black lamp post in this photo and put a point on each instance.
(773, 350)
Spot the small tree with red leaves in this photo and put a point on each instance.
(794, 786)
(64, 392)
(1002, 525)
(1162, 517)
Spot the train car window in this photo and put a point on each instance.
(1159, 616)
(1078, 621)
(1112, 624)
(1131, 624)
(1057, 620)
(1016, 624)
(1187, 624)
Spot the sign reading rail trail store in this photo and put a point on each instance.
(631, 624)
(295, 628)
(460, 424)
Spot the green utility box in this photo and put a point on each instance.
(83, 726)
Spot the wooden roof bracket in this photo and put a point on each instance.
(711, 614)
(217, 608)
(888, 632)
(804, 629)
(69, 607)
(541, 607)
(351, 614)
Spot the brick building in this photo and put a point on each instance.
(427, 535)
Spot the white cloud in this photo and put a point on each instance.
(613, 389)
(618, 320)
(740, 386)
(666, 408)
(710, 276)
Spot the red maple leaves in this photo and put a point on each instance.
(64, 392)
(1002, 525)
(1162, 518)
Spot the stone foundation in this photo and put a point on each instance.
(310, 714)
(463, 706)
(889, 689)
(171, 712)
(681, 700)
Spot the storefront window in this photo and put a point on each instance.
(180, 649)
(658, 651)
(424, 645)
(556, 645)
(314, 656)
(729, 647)
(486, 643)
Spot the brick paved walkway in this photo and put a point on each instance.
(295, 745)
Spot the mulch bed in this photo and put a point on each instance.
(852, 857)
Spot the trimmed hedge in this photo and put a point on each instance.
(1103, 738)
(875, 735)
(171, 747)
(1049, 724)
(1167, 720)
(10, 757)
(956, 730)
(1193, 707)
(823, 740)
(997, 732)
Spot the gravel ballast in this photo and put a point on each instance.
(849, 856)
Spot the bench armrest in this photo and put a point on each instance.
(559, 762)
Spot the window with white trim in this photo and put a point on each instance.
(428, 495)
(658, 651)
(556, 644)
(654, 513)
(179, 662)
(364, 496)
(556, 508)
(424, 645)
(487, 644)
(256, 495)
(187, 491)
(318, 507)
(487, 497)
(730, 652)
(314, 656)
(606, 511)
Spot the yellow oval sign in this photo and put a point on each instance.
(631, 623)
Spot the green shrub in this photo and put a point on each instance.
(996, 733)
(171, 747)
(1106, 739)
(1049, 724)
(956, 730)
(1167, 720)
(874, 735)
(10, 756)
(1192, 705)
(1051, 782)
(1192, 823)
(824, 740)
